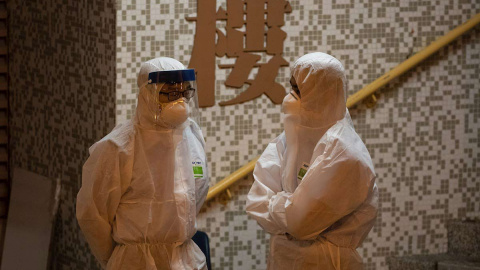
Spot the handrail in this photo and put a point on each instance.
(232, 178)
(412, 61)
(365, 92)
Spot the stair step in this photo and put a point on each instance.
(464, 238)
(432, 262)
(415, 262)
(458, 265)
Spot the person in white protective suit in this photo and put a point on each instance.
(314, 188)
(145, 182)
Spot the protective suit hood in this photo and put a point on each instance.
(322, 83)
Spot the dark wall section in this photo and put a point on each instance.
(62, 85)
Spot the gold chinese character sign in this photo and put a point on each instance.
(262, 20)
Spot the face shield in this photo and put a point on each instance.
(172, 96)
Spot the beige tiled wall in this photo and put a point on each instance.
(422, 135)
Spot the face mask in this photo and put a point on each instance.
(174, 113)
(291, 104)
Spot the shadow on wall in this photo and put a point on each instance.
(62, 98)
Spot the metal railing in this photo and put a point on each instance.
(366, 92)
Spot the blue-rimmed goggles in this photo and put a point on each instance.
(171, 85)
(171, 76)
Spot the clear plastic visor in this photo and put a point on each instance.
(174, 86)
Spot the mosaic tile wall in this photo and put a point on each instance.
(422, 135)
(62, 83)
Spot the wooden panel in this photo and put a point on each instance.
(4, 166)
(3, 46)
(3, 118)
(3, 64)
(3, 100)
(3, 137)
(3, 190)
(3, 208)
(3, 10)
(3, 82)
(3, 172)
(3, 29)
(3, 154)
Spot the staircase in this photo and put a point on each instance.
(463, 251)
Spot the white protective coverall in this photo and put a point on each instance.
(318, 221)
(139, 199)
